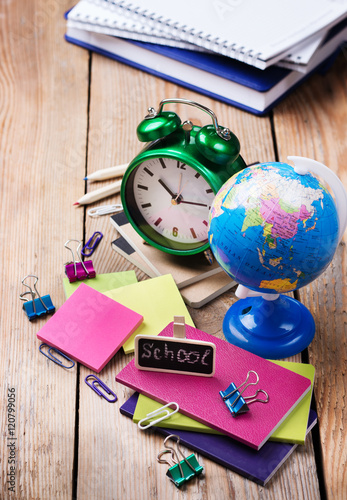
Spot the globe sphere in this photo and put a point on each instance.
(273, 230)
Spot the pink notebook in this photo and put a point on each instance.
(90, 327)
(199, 397)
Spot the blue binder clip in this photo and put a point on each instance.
(238, 404)
(180, 471)
(36, 306)
(90, 247)
(53, 358)
(100, 383)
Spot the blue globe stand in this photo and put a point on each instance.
(272, 329)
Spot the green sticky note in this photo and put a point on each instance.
(292, 430)
(157, 299)
(102, 282)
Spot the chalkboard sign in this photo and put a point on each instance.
(169, 354)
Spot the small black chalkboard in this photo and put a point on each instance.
(171, 354)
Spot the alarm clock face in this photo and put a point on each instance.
(169, 202)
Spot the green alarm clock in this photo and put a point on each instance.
(168, 188)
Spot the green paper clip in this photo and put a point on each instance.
(180, 471)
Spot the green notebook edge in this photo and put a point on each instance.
(292, 430)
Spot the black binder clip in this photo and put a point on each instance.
(78, 270)
(38, 306)
(180, 471)
(238, 404)
(100, 383)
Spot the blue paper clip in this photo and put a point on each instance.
(99, 382)
(238, 404)
(91, 244)
(180, 471)
(36, 306)
(54, 358)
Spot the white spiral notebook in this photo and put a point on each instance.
(103, 16)
(256, 32)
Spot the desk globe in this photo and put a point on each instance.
(275, 228)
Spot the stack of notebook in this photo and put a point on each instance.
(249, 54)
(254, 444)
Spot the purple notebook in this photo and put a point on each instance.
(259, 466)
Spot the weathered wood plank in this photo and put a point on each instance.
(313, 123)
(43, 119)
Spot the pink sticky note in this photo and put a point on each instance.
(90, 327)
(199, 398)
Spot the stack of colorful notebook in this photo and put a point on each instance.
(254, 444)
(249, 54)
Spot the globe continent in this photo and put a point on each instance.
(273, 230)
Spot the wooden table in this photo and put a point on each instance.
(64, 113)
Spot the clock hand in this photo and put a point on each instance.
(176, 196)
(166, 188)
(194, 203)
(179, 183)
(179, 194)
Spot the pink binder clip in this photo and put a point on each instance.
(77, 270)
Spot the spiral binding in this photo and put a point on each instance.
(182, 32)
(149, 25)
(108, 24)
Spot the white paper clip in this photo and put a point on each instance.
(104, 210)
(155, 413)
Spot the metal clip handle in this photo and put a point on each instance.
(174, 458)
(22, 296)
(78, 255)
(223, 133)
(31, 292)
(174, 436)
(243, 390)
(257, 400)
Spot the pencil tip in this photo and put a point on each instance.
(85, 178)
(76, 203)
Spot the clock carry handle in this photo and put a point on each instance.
(217, 144)
(223, 133)
(303, 165)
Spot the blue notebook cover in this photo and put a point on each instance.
(230, 69)
(259, 466)
(247, 83)
(243, 76)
